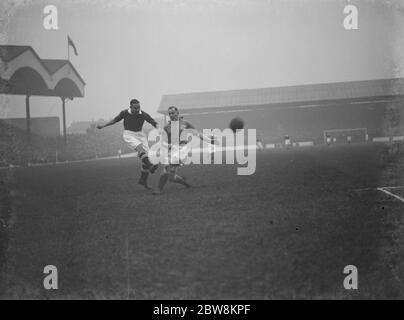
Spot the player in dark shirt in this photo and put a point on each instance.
(133, 120)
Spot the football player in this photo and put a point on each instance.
(133, 120)
(178, 152)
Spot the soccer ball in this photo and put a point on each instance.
(236, 124)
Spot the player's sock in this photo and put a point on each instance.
(145, 160)
(144, 175)
(163, 181)
(153, 168)
(180, 180)
(143, 179)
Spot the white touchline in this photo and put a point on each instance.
(391, 194)
(376, 188)
(396, 187)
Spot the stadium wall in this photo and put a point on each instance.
(307, 123)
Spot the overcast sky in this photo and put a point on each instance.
(145, 49)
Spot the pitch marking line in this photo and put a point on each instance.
(376, 188)
(390, 194)
(396, 187)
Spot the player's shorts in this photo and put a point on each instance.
(135, 139)
(177, 155)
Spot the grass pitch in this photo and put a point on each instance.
(285, 232)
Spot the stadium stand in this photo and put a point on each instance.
(303, 112)
(15, 150)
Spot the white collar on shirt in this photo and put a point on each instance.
(140, 111)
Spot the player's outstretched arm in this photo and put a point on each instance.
(118, 118)
(207, 138)
(151, 120)
(200, 134)
(109, 123)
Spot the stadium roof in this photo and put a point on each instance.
(23, 72)
(291, 95)
(53, 65)
(8, 53)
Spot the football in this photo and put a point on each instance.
(236, 124)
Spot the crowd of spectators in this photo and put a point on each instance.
(17, 149)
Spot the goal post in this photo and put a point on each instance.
(344, 136)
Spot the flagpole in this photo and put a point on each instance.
(68, 51)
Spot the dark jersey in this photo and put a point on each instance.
(134, 122)
(178, 126)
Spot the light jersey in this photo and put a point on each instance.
(178, 126)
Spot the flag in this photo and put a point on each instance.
(71, 43)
